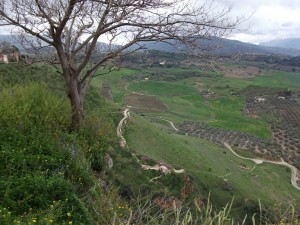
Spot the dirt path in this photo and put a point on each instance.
(162, 168)
(137, 93)
(294, 170)
(169, 121)
(122, 123)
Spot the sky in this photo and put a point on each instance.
(271, 19)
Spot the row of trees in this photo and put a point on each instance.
(73, 28)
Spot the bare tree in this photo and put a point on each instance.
(73, 28)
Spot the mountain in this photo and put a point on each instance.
(14, 41)
(10, 39)
(291, 43)
(221, 46)
(215, 46)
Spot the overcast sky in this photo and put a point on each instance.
(272, 19)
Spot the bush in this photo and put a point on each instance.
(35, 178)
(33, 106)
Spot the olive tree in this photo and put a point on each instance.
(73, 28)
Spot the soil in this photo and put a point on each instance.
(241, 72)
(144, 103)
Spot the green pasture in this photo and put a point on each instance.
(279, 79)
(211, 100)
(185, 102)
(162, 88)
(209, 164)
(174, 70)
(117, 83)
(271, 79)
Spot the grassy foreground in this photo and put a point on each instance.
(51, 176)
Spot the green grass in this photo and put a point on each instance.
(161, 88)
(184, 102)
(48, 174)
(207, 162)
(117, 83)
(224, 113)
(228, 114)
(279, 79)
(38, 177)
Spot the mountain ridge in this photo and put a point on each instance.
(223, 47)
(214, 46)
(290, 43)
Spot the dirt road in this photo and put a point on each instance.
(162, 168)
(294, 170)
(122, 123)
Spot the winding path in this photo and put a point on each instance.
(122, 123)
(170, 122)
(257, 161)
(137, 93)
(162, 168)
(294, 170)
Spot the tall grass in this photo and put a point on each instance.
(33, 104)
(37, 161)
(144, 212)
(47, 175)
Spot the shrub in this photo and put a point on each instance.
(33, 105)
(38, 159)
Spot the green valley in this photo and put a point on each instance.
(217, 104)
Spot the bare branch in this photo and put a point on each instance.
(74, 27)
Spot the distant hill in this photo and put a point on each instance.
(292, 43)
(14, 41)
(10, 39)
(224, 47)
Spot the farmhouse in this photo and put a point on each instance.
(3, 58)
(9, 54)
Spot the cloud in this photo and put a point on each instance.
(272, 19)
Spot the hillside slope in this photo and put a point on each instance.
(290, 43)
(224, 47)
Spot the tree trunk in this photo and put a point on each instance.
(76, 99)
